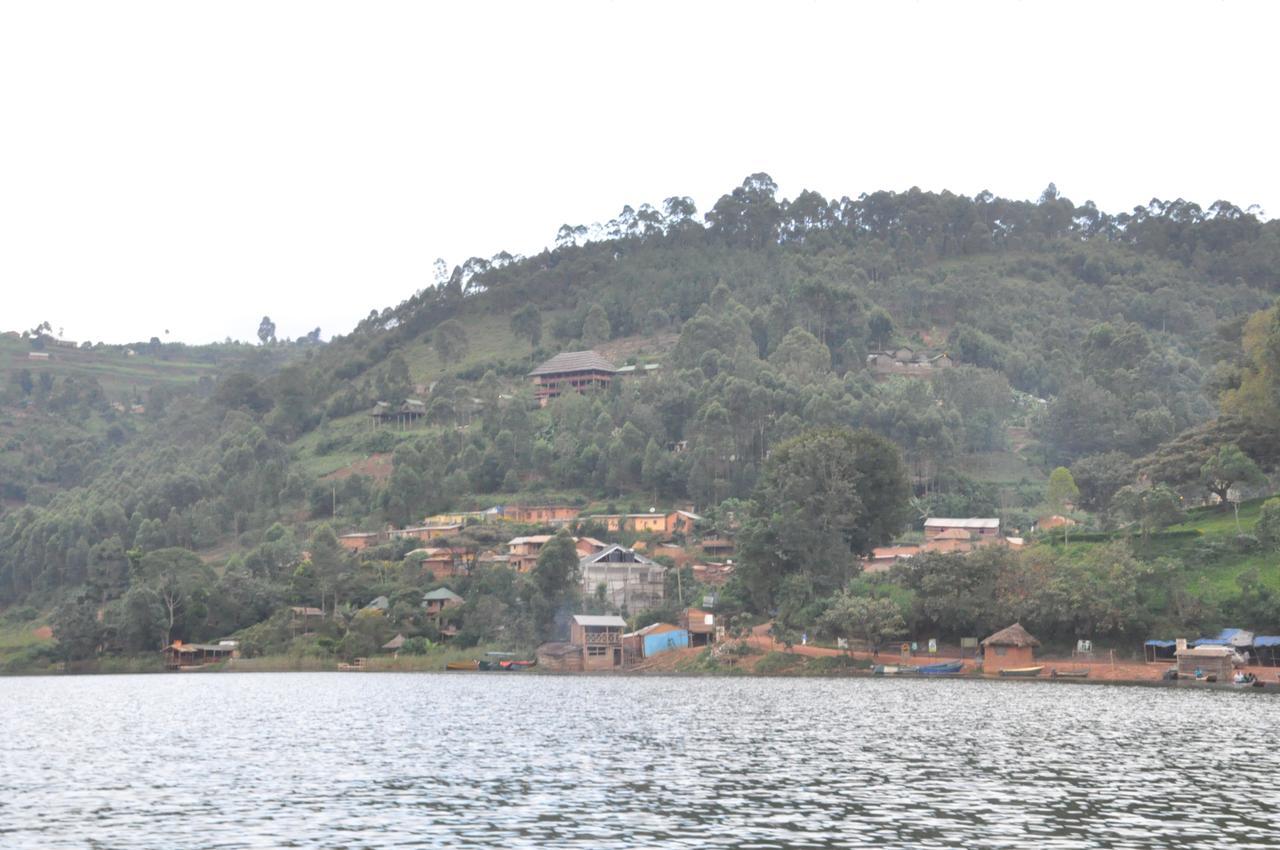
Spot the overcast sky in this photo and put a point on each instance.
(190, 167)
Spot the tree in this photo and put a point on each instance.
(956, 593)
(825, 497)
(1228, 467)
(1060, 492)
(801, 357)
(180, 580)
(395, 383)
(77, 630)
(450, 341)
(873, 620)
(527, 323)
(1099, 477)
(266, 330)
(556, 584)
(880, 327)
(595, 326)
(1152, 508)
(1267, 529)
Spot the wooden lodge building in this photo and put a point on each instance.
(404, 416)
(179, 655)
(578, 371)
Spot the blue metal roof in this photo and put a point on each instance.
(1266, 640)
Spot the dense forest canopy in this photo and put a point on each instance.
(1129, 348)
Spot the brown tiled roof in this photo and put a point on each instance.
(574, 361)
(1015, 635)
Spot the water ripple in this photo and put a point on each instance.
(313, 760)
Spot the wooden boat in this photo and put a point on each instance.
(462, 665)
(892, 669)
(1021, 672)
(942, 668)
(1070, 674)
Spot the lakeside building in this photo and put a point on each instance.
(571, 371)
(600, 639)
(653, 639)
(1008, 648)
(1211, 662)
(179, 654)
(701, 626)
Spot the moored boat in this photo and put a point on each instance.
(942, 668)
(1069, 674)
(1021, 672)
(892, 669)
(462, 665)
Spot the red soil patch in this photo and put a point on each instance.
(43, 632)
(375, 466)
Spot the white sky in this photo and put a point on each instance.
(192, 166)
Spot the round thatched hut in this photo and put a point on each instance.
(1008, 649)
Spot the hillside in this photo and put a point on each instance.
(989, 340)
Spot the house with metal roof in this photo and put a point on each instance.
(976, 527)
(600, 639)
(576, 371)
(630, 580)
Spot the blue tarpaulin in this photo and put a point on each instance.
(1267, 640)
(1223, 639)
(1161, 643)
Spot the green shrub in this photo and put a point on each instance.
(1268, 527)
(777, 663)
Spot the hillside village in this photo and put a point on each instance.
(1036, 410)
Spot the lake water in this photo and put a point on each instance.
(371, 760)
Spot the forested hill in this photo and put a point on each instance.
(1079, 338)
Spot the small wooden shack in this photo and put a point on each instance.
(560, 658)
(701, 626)
(1214, 663)
(1008, 648)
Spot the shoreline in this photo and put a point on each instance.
(1270, 686)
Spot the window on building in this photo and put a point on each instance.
(1001, 650)
(596, 651)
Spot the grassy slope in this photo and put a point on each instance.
(119, 375)
(1213, 562)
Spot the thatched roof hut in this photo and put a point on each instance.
(1014, 635)
(1010, 648)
